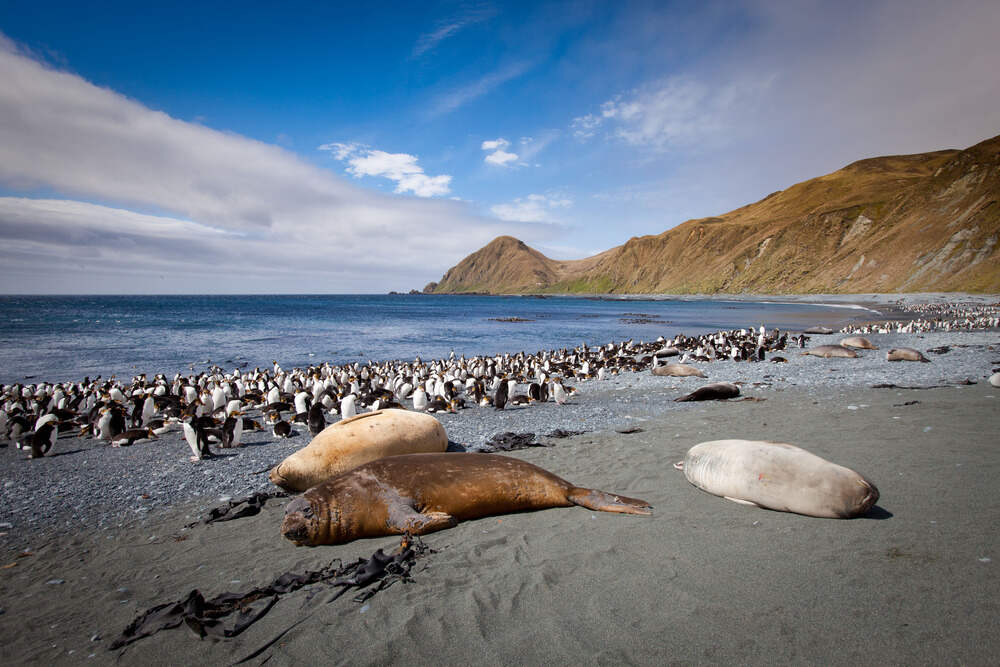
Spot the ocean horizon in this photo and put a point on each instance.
(68, 337)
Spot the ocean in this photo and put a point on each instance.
(59, 338)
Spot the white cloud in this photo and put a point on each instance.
(257, 216)
(675, 111)
(448, 102)
(529, 147)
(399, 167)
(533, 208)
(428, 41)
(498, 155)
(495, 144)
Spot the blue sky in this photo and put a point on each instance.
(319, 147)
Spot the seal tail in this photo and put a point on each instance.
(600, 501)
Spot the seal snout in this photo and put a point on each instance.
(296, 524)
(871, 498)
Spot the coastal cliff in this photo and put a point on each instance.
(907, 223)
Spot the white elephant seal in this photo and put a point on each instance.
(995, 379)
(859, 342)
(778, 476)
(827, 351)
(905, 354)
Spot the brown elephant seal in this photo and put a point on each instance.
(905, 354)
(778, 476)
(360, 439)
(716, 391)
(827, 351)
(677, 370)
(859, 342)
(818, 330)
(423, 493)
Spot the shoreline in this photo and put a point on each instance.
(703, 580)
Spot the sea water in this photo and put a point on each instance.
(56, 338)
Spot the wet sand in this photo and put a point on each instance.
(703, 580)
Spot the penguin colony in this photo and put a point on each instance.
(214, 407)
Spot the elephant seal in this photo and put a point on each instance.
(995, 379)
(778, 476)
(859, 342)
(359, 439)
(711, 392)
(423, 493)
(818, 330)
(905, 354)
(827, 351)
(677, 370)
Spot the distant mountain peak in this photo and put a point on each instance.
(908, 223)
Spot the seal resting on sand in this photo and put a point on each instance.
(423, 493)
(827, 351)
(905, 354)
(859, 342)
(677, 370)
(778, 476)
(716, 391)
(360, 439)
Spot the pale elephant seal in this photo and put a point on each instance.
(995, 379)
(677, 370)
(818, 330)
(360, 439)
(423, 493)
(827, 351)
(859, 342)
(712, 392)
(778, 476)
(905, 354)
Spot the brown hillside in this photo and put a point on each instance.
(926, 222)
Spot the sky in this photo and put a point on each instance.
(307, 147)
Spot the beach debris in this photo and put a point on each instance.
(628, 430)
(205, 617)
(903, 405)
(943, 349)
(251, 505)
(562, 433)
(508, 441)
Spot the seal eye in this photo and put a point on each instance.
(300, 505)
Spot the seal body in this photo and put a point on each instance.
(995, 380)
(905, 354)
(360, 439)
(778, 476)
(827, 351)
(859, 342)
(423, 493)
(677, 370)
(712, 392)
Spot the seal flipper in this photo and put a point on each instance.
(741, 501)
(417, 523)
(607, 502)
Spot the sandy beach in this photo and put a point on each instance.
(702, 581)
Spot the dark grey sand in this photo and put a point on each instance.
(702, 581)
